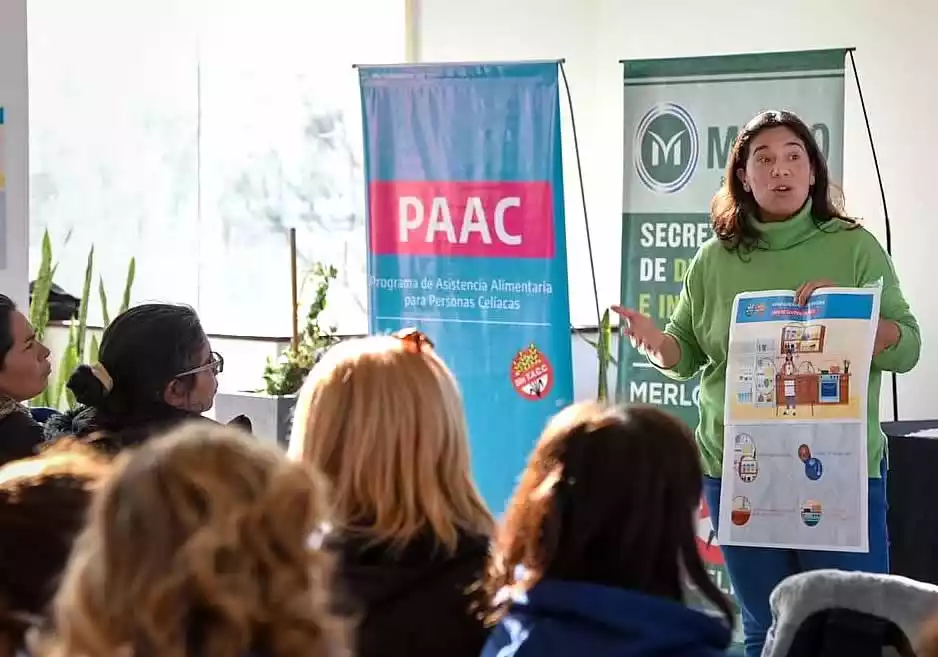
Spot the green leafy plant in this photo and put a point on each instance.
(74, 353)
(42, 286)
(285, 374)
(105, 313)
(74, 350)
(604, 357)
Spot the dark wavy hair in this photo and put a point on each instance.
(575, 517)
(732, 205)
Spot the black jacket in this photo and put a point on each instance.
(20, 434)
(414, 601)
(114, 432)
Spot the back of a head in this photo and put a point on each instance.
(608, 497)
(142, 350)
(43, 503)
(382, 417)
(200, 537)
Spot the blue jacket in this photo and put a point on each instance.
(575, 619)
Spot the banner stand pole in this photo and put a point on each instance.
(407, 65)
(579, 171)
(882, 195)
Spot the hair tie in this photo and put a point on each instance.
(414, 340)
(101, 374)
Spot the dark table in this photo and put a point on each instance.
(912, 491)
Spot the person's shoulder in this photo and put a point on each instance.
(851, 231)
(20, 420)
(20, 436)
(865, 239)
(474, 544)
(714, 247)
(851, 238)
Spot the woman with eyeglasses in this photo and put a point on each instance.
(155, 370)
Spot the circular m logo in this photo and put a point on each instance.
(667, 148)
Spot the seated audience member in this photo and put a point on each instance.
(833, 613)
(202, 543)
(382, 417)
(24, 372)
(592, 556)
(156, 369)
(43, 500)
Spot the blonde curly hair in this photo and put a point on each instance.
(200, 543)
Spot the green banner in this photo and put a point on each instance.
(681, 119)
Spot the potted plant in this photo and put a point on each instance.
(271, 409)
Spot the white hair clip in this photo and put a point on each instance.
(316, 538)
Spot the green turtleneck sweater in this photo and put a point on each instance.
(794, 252)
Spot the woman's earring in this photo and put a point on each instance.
(746, 186)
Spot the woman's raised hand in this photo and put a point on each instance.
(646, 337)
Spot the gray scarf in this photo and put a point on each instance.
(905, 602)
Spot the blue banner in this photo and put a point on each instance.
(466, 241)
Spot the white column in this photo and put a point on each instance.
(14, 153)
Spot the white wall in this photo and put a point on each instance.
(897, 63)
(15, 147)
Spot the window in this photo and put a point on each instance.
(193, 135)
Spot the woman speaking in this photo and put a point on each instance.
(777, 227)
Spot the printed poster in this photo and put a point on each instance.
(795, 469)
(466, 241)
